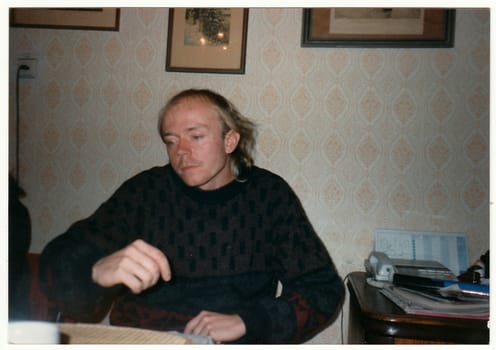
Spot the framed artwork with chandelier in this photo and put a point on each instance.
(207, 40)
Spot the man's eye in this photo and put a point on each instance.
(197, 137)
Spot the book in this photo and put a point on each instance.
(419, 303)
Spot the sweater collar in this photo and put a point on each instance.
(217, 196)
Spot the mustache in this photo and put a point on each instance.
(184, 163)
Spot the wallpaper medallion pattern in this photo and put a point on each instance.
(368, 138)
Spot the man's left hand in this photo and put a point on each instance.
(220, 327)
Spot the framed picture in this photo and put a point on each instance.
(66, 18)
(207, 40)
(378, 27)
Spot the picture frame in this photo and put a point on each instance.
(207, 40)
(378, 27)
(104, 18)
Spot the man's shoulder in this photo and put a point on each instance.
(265, 175)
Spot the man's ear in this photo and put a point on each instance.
(231, 141)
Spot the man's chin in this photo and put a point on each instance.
(190, 181)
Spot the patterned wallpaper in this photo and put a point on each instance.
(368, 138)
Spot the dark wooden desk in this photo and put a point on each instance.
(374, 319)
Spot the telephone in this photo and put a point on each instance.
(380, 266)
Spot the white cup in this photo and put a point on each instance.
(33, 332)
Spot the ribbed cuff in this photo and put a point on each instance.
(257, 323)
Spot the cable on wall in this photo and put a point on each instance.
(345, 279)
(21, 67)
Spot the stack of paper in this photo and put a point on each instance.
(425, 303)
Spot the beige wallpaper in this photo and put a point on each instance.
(368, 138)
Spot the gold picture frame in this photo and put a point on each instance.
(378, 27)
(105, 18)
(207, 40)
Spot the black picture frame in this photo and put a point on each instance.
(103, 18)
(438, 27)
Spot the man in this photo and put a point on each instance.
(199, 245)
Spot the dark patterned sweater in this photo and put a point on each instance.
(227, 248)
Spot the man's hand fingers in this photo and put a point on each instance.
(138, 266)
(136, 275)
(192, 324)
(220, 327)
(162, 264)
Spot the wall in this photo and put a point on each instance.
(368, 138)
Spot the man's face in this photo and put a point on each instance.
(197, 150)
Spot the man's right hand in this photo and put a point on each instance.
(138, 266)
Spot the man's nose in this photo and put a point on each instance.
(183, 147)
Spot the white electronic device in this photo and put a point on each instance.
(380, 266)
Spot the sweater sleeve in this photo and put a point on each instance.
(65, 277)
(66, 262)
(312, 290)
(306, 306)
